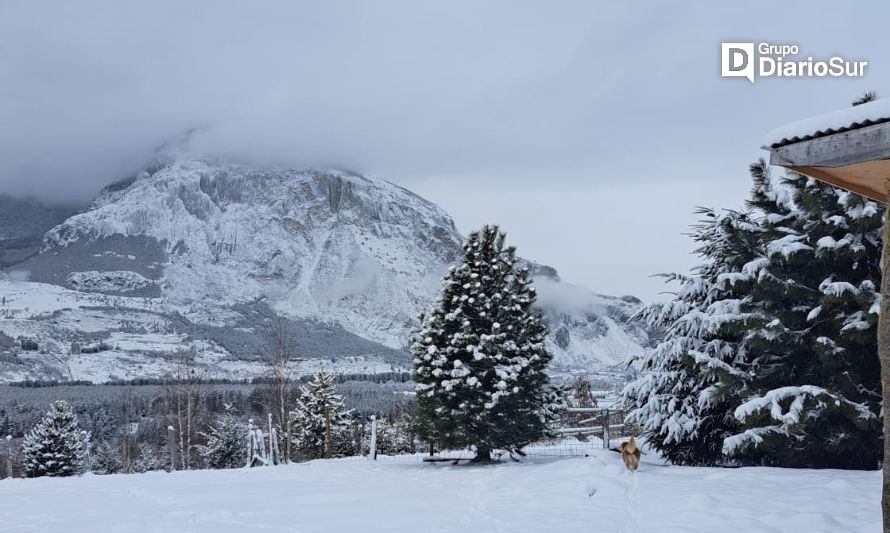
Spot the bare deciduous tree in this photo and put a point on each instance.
(183, 392)
(280, 349)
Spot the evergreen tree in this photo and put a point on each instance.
(813, 369)
(148, 460)
(226, 442)
(394, 436)
(683, 399)
(479, 356)
(321, 423)
(770, 345)
(106, 459)
(54, 447)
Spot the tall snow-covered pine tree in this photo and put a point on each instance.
(480, 355)
(814, 373)
(683, 399)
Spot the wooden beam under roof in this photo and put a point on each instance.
(856, 160)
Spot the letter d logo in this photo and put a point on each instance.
(737, 60)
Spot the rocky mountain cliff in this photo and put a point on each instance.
(213, 250)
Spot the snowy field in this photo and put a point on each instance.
(392, 495)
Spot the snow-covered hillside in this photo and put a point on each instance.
(399, 494)
(203, 238)
(97, 337)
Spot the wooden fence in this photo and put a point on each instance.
(601, 422)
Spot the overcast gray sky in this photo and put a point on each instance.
(589, 130)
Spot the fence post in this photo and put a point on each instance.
(272, 458)
(9, 472)
(373, 449)
(88, 462)
(172, 448)
(605, 429)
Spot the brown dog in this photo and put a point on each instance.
(630, 454)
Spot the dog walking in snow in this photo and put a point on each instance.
(630, 454)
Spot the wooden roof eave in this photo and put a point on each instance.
(857, 160)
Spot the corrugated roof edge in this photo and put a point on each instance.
(851, 118)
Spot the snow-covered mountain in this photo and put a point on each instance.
(212, 250)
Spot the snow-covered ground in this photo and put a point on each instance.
(402, 494)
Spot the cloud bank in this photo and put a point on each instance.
(618, 105)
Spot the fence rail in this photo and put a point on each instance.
(605, 427)
(588, 430)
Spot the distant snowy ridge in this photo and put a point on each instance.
(208, 237)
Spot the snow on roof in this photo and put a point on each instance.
(874, 112)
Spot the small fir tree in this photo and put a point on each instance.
(322, 426)
(479, 357)
(226, 442)
(148, 460)
(394, 436)
(106, 459)
(55, 446)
